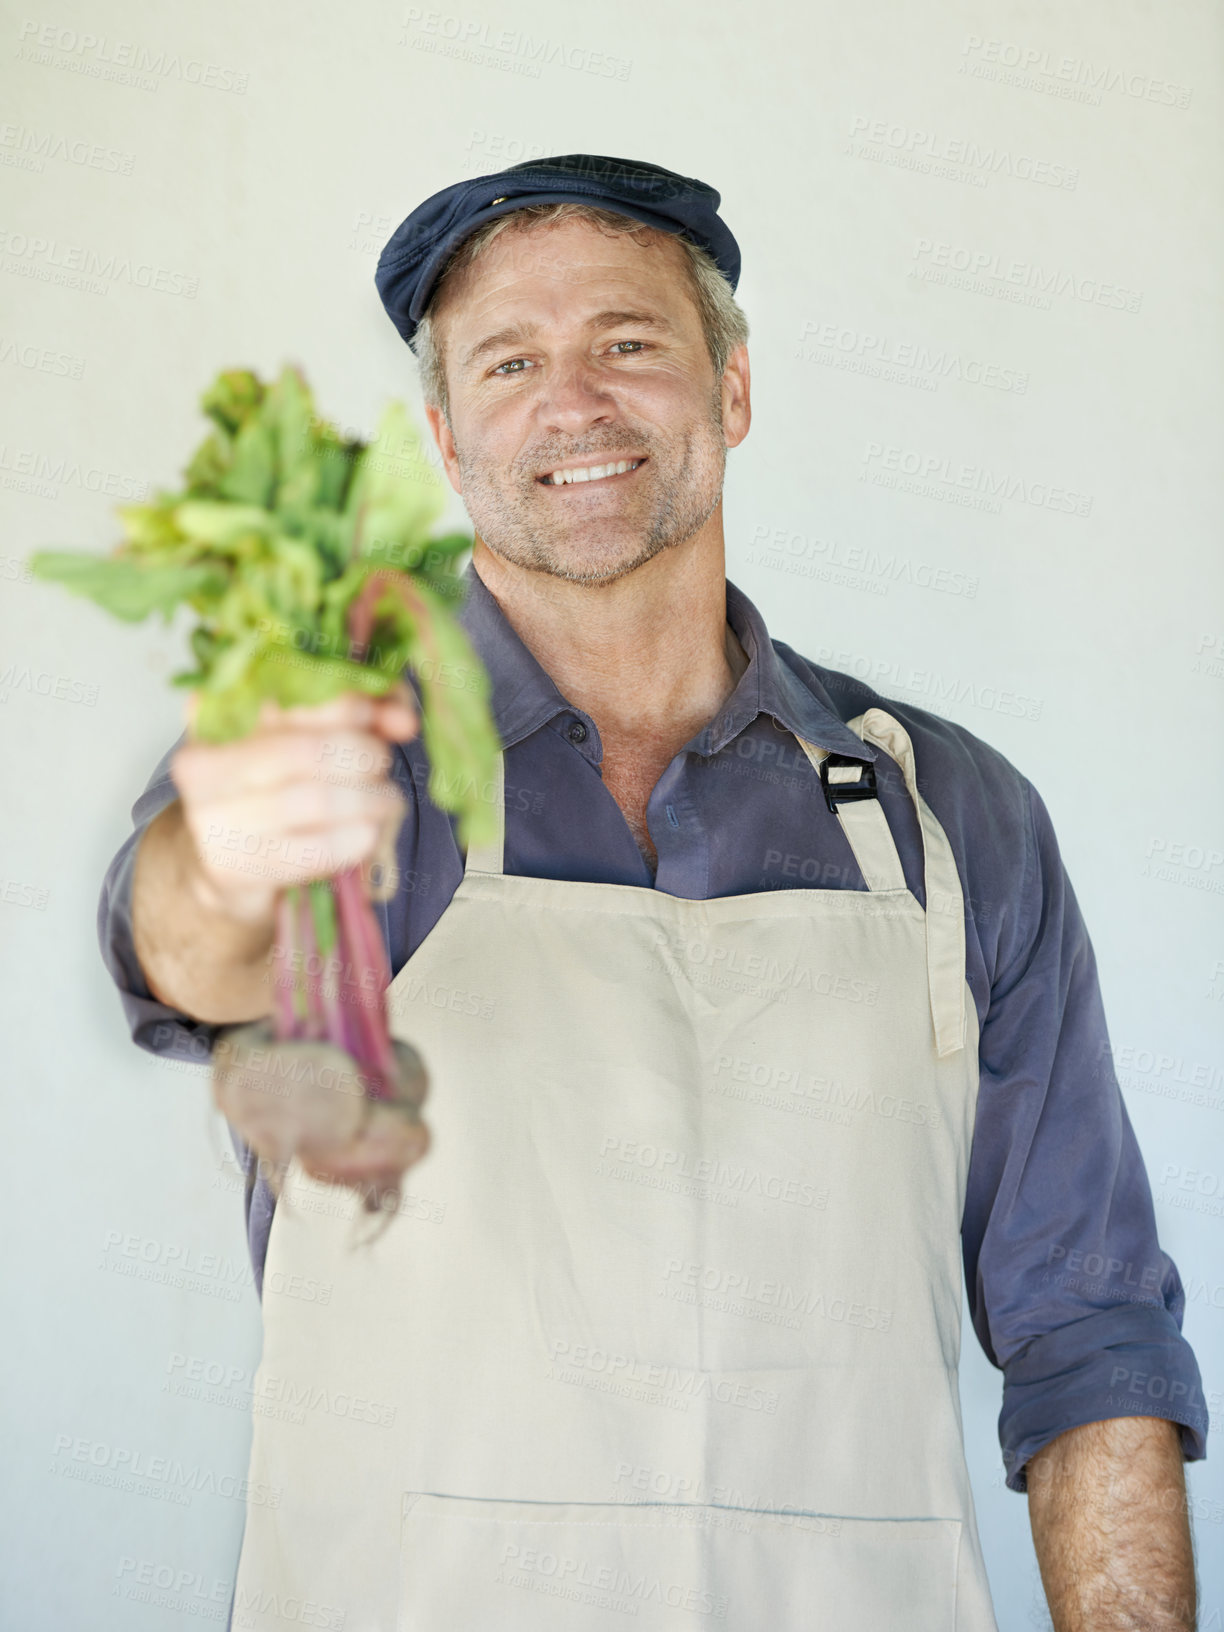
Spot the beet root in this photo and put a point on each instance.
(310, 1099)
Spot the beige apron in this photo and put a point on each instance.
(669, 1325)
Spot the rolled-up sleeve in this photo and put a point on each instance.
(154, 1026)
(1069, 1290)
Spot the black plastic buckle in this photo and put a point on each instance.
(840, 793)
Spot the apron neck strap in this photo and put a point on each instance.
(863, 821)
(490, 858)
(866, 829)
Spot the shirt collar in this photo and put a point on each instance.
(525, 697)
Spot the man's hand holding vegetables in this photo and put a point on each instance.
(308, 558)
(253, 817)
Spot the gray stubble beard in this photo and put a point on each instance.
(502, 524)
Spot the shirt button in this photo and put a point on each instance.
(577, 732)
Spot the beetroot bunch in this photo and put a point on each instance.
(308, 560)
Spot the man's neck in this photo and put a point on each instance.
(651, 657)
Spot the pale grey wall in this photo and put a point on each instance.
(866, 156)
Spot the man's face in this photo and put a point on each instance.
(568, 347)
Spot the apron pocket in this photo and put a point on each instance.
(519, 1566)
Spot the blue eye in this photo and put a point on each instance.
(514, 365)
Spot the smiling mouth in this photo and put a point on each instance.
(587, 474)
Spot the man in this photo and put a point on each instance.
(769, 1007)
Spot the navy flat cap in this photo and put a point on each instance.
(416, 252)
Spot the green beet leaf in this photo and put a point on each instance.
(395, 495)
(301, 679)
(251, 477)
(232, 398)
(127, 589)
(223, 716)
(209, 463)
(212, 521)
(281, 522)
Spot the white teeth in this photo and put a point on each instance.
(592, 473)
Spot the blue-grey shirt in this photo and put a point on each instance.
(1070, 1293)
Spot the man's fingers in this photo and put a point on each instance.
(399, 717)
(351, 711)
(259, 820)
(394, 713)
(272, 758)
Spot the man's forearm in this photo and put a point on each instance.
(196, 957)
(1108, 1510)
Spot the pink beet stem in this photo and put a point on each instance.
(359, 941)
(297, 954)
(362, 945)
(282, 972)
(335, 1027)
(313, 1026)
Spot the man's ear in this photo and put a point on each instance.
(736, 397)
(446, 444)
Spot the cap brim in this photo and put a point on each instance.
(431, 267)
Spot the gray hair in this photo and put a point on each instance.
(723, 322)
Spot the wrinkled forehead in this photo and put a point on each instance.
(542, 263)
